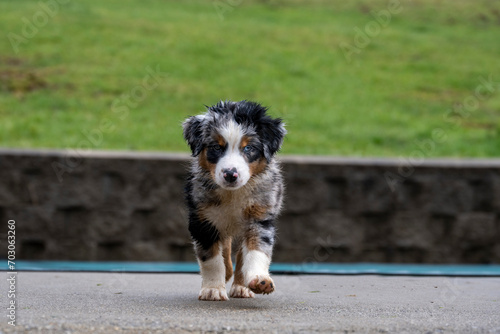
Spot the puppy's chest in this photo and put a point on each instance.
(232, 212)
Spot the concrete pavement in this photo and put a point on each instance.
(53, 302)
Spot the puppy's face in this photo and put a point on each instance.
(234, 141)
(233, 155)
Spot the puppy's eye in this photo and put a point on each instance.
(248, 149)
(216, 148)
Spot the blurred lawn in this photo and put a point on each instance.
(67, 81)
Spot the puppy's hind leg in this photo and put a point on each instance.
(226, 254)
(238, 289)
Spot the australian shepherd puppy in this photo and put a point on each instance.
(234, 192)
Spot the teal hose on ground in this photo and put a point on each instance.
(276, 268)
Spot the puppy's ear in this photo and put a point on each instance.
(272, 133)
(193, 133)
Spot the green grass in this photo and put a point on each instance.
(393, 94)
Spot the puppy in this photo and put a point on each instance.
(234, 192)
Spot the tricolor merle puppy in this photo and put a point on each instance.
(234, 192)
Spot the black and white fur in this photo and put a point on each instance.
(234, 192)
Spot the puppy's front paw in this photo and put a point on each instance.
(215, 294)
(240, 291)
(262, 284)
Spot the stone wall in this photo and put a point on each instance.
(129, 206)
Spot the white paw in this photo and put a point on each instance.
(240, 291)
(261, 284)
(213, 294)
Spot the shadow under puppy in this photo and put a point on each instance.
(234, 191)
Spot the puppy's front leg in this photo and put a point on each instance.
(213, 272)
(257, 250)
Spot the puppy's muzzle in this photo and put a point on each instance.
(230, 175)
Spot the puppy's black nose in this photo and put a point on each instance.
(230, 175)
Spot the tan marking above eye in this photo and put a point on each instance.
(244, 141)
(220, 140)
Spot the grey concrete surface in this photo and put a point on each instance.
(50, 302)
